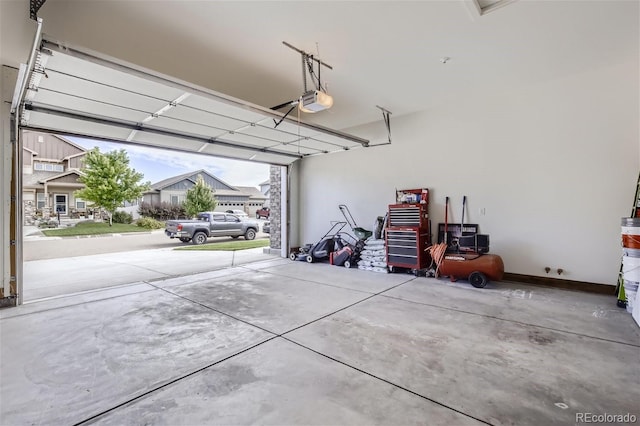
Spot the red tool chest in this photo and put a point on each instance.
(408, 232)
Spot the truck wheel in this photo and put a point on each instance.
(235, 236)
(199, 238)
(250, 234)
(185, 239)
(257, 216)
(478, 279)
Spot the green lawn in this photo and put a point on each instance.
(229, 246)
(92, 228)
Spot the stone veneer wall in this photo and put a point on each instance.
(275, 202)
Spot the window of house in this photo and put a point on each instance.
(49, 167)
(80, 204)
(40, 200)
(174, 200)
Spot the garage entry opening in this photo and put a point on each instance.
(76, 92)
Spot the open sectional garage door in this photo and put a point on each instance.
(73, 91)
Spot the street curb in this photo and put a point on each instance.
(79, 237)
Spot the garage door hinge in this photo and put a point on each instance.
(12, 278)
(12, 242)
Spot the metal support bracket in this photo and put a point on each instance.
(386, 115)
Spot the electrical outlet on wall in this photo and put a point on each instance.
(482, 211)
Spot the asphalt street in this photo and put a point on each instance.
(38, 247)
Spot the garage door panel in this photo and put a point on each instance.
(274, 135)
(235, 111)
(262, 157)
(203, 130)
(296, 148)
(82, 69)
(77, 89)
(81, 106)
(184, 116)
(59, 124)
(165, 141)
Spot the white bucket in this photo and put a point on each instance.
(631, 298)
(630, 252)
(630, 230)
(631, 285)
(631, 268)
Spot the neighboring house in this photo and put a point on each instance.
(265, 188)
(50, 171)
(174, 191)
(256, 199)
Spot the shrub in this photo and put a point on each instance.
(48, 224)
(162, 211)
(149, 223)
(122, 217)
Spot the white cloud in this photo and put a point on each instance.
(158, 164)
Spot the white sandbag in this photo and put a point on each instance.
(368, 252)
(373, 243)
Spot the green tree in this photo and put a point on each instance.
(109, 181)
(199, 198)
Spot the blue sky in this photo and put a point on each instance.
(158, 164)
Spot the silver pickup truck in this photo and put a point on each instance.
(211, 224)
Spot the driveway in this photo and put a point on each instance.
(59, 266)
(74, 274)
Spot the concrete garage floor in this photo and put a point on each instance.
(281, 342)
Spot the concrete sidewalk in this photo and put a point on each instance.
(56, 277)
(33, 233)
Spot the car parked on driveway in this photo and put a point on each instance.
(240, 213)
(211, 224)
(263, 212)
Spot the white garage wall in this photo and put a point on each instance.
(554, 166)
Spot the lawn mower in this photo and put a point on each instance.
(330, 242)
(361, 233)
(349, 255)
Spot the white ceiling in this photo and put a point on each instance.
(383, 52)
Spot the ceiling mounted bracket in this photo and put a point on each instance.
(386, 116)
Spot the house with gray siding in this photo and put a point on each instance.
(173, 191)
(50, 175)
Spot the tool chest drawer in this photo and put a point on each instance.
(406, 247)
(415, 215)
